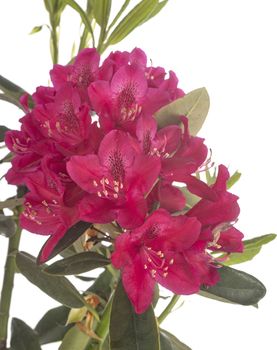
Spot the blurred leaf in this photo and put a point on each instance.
(72, 234)
(59, 288)
(75, 340)
(11, 99)
(157, 9)
(23, 337)
(170, 342)
(82, 14)
(128, 330)
(77, 264)
(51, 327)
(7, 226)
(11, 203)
(8, 157)
(3, 130)
(118, 15)
(138, 15)
(233, 179)
(237, 287)
(36, 29)
(251, 248)
(11, 89)
(194, 105)
(191, 199)
(101, 10)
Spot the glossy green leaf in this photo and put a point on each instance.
(128, 330)
(7, 226)
(59, 288)
(77, 264)
(139, 14)
(82, 13)
(194, 105)
(237, 287)
(251, 248)
(3, 130)
(75, 340)
(51, 328)
(36, 29)
(170, 342)
(233, 179)
(23, 337)
(72, 234)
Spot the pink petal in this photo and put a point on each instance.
(171, 198)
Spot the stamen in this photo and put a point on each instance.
(95, 184)
(171, 261)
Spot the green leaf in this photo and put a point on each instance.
(118, 15)
(72, 234)
(23, 337)
(51, 327)
(75, 340)
(10, 88)
(103, 285)
(237, 287)
(36, 29)
(251, 248)
(76, 264)
(82, 14)
(3, 130)
(128, 330)
(101, 10)
(158, 8)
(194, 105)
(59, 288)
(138, 15)
(7, 226)
(11, 203)
(170, 342)
(233, 179)
(11, 99)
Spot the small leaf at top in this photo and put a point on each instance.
(36, 29)
(237, 287)
(170, 342)
(76, 264)
(59, 288)
(23, 337)
(128, 330)
(194, 105)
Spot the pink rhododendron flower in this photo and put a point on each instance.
(159, 251)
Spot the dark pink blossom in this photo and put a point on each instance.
(160, 251)
(119, 175)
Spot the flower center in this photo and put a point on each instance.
(128, 107)
(156, 262)
(108, 188)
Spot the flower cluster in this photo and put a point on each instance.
(90, 149)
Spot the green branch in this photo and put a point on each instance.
(169, 308)
(6, 293)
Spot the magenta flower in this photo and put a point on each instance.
(160, 251)
(119, 175)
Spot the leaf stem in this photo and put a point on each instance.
(8, 280)
(168, 308)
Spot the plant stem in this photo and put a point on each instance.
(6, 293)
(55, 45)
(103, 327)
(169, 308)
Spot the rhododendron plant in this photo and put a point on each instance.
(109, 167)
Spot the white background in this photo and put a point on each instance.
(230, 48)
